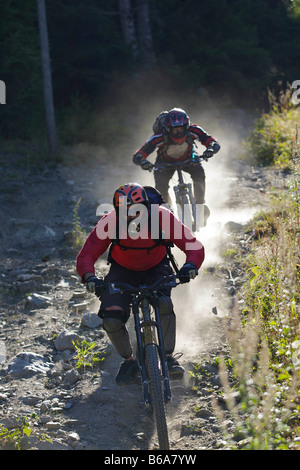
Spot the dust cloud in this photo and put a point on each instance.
(200, 304)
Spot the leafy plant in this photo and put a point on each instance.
(273, 138)
(86, 356)
(264, 337)
(12, 439)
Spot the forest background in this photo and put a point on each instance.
(111, 60)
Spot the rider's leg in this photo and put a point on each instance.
(198, 176)
(168, 325)
(162, 179)
(114, 311)
(114, 325)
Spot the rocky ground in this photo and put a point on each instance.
(44, 308)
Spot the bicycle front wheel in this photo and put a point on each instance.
(186, 212)
(157, 397)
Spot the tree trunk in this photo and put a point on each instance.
(127, 24)
(144, 31)
(47, 80)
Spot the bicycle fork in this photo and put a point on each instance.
(145, 337)
(183, 197)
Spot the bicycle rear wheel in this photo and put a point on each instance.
(157, 397)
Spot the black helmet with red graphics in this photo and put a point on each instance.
(128, 194)
(176, 124)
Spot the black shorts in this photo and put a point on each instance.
(118, 273)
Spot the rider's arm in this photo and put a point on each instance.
(146, 149)
(205, 139)
(96, 244)
(182, 237)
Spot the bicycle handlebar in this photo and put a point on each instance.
(120, 287)
(181, 163)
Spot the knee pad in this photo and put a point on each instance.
(114, 325)
(113, 321)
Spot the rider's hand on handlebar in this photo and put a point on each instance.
(208, 153)
(211, 150)
(95, 285)
(145, 165)
(187, 272)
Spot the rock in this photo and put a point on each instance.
(53, 425)
(141, 436)
(91, 320)
(26, 286)
(17, 272)
(38, 300)
(79, 307)
(203, 413)
(231, 290)
(27, 364)
(233, 227)
(79, 293)
(71, 377)
(31, 400)
(73, 439)
(45, 406)
(65, 340)
(29, 277)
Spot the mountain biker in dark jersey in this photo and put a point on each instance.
(174, 141)
(136, 258)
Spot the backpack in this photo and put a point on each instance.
(158, 126)
(154, 197)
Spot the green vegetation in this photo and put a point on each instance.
(12, 439)
(87, 356)
(264, 338)
(17, 437)
(273, 139)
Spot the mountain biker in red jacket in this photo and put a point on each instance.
(174, 140)
(137, 258)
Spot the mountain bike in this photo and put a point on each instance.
(184, 194)
(151, 356)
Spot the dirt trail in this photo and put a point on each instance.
(92, 412)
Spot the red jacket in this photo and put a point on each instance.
(142, 259)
